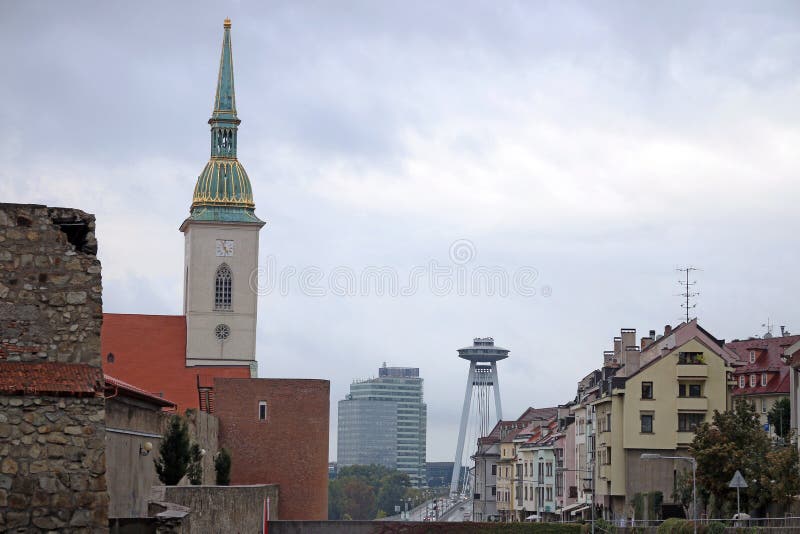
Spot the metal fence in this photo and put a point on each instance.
(782, 524)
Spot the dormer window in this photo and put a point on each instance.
(752, 381)
(752, 356)
(763, 379)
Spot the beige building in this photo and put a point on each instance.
(651, 401)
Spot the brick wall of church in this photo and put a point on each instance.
(289, 448)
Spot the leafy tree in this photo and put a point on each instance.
(173, 452)
(366, 491)
(683, 490)
(195, 469)
(733, 440)
(222, 466)
(783, 475)
(778, 417)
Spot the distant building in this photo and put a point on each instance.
(763, 377)
(439, 474)
(367, 432)
(397, 387)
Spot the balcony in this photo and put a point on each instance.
(692, 371)
(695, 404)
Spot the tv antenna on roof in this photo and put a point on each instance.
(688, 294)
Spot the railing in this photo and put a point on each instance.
(783, 524)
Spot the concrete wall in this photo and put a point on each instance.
(131, 476)
(289, 448)
(221, 509)
(375, 527)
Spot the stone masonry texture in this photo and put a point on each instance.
(52, 420)
(289, 448)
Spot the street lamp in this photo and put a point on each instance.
(651, 456)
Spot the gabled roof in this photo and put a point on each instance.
(50, 378)
(769, 360)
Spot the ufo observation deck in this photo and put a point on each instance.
(483, 350)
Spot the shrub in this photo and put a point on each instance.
(173, 452)
(222, 465)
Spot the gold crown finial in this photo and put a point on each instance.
(227, 23)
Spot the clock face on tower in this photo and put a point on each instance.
(224, 247)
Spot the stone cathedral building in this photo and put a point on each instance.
(276, 429)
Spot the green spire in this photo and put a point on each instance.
(225, 99)
(223, 192)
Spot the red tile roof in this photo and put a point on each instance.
(150, 351)
(115, 386)
(768, 354)
(50, 378)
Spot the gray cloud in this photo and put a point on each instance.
(603, 145)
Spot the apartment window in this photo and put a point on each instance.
(690, 390)
(608, 455)
(763, 379)
(526, 470)
(752, 356)
(262, 410)
(647, 423)
(763, 405)
(688, 422)
(549, 493)
(742, 381)
(494, 491)
(494, 469)
(647, 390)
(752, 381)
(549, 469)
(608, 422)
(690, 358)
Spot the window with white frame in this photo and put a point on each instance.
(752, 356)
(752, 381)
(742, 381)
(223, 288)
(262, 410)
(763, 379)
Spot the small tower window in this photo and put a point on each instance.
(262, 410)
(110, 357)
(223, 288)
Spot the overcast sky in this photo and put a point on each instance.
(600, 144)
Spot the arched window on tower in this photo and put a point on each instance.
(223, 288)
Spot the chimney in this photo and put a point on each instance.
(608, 357)
(632, 360)
(667, 330)
(783, 330)
(628, 337)
(646, 341)
(653, 334)
(617, 345)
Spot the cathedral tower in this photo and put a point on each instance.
(221, 243)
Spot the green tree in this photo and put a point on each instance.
(733, 441)
(778, 417)
(378, 490)
(173, 452)
(195, 469)
(783, 475)
(222, 466)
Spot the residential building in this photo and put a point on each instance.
(651, 401)
(403, 388)
(509, 489)
(763, 376)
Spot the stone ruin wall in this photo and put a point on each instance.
(52, 452)
(51, 304)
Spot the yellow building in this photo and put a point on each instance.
(651, 402)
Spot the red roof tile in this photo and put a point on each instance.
(117, 386)
(150, 351)
(50, 378)
(768, 354)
